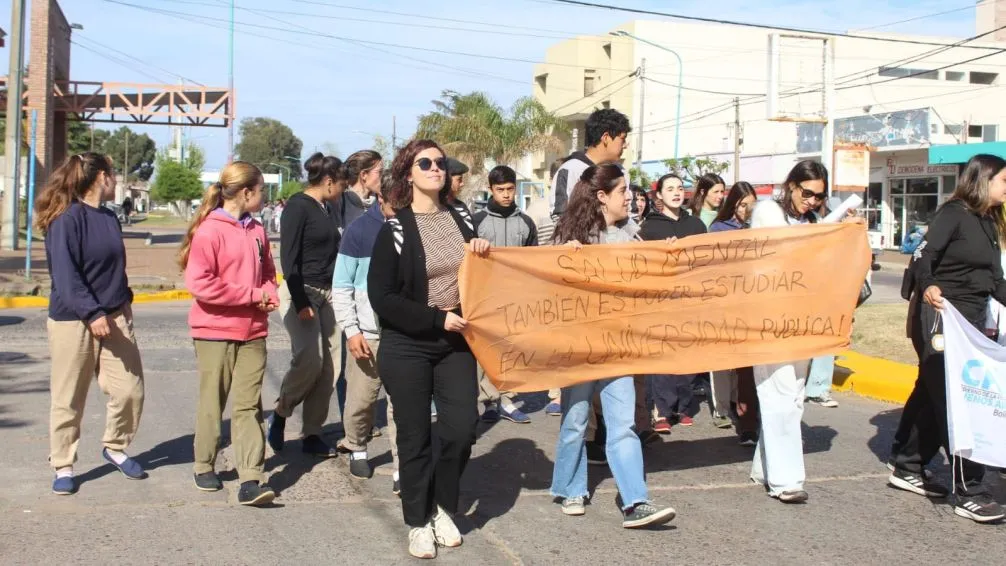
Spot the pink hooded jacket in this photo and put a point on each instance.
(230, 267)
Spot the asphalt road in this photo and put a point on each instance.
(324, 516)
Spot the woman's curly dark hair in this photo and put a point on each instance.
(583, 220)
(401, 189)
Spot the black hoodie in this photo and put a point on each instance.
(659, 226)
(961, 256)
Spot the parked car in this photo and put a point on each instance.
(120, 213)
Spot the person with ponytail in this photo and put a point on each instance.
(90, 322)
(230, 272)
(309, 243)
(598, 204)
(708, 196)
(363, 175)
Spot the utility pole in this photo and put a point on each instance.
(738, 139)
(230, 123)
(394, 137)
(642, 111)
(12, 140)
(125, 171)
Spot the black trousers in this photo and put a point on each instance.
(672, 394)
(414, 371)
(747, 394)
(923, 428)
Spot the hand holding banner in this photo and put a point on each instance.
(549, 317)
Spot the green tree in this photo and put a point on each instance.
(694, 167)
(290, 188)
(78, 137)
(195, 158)
(265, 141)
(175, 183)
(639, 177)
(475, 129)
(142, 152)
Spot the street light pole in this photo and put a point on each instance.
(681, 78)
(12, 141)
(230, 123)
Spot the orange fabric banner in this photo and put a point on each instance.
(551, 316)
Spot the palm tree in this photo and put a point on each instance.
(475, 129)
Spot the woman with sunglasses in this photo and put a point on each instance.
(413, 287)
(778, 459)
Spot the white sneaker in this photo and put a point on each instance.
(824, 401)
(445, 532)
(422, 543)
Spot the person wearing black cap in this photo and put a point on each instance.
(457, 171)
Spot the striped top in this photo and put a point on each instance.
(444, 247)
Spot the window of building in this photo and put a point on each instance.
(953, 129)
(983, 78)
(607, 49)
(542, 81)
(955, 76)
(589, 82)
(873, 202)
(906, 72)
(974, 131)
(990, 133)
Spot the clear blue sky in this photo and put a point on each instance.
(327, 88)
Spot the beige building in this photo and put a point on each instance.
(899, 97)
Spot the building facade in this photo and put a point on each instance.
(897, 98)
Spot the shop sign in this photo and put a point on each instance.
(895, 169)
(852, 168)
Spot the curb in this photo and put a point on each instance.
(875, 378)
(159, 297)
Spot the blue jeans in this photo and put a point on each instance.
(822, 371)
(624, 451)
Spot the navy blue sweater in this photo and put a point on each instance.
(87, 264)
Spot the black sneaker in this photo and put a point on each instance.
(648, 437)
(360, 468)
(980, 508)
(927, 475)
(596, 455)
(396, 488)
(276, 435)
(748, 439)
(315, 446)
(646, 515)
(254, 494)
(915, 484)
(208, 481)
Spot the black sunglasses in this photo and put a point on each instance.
(807, 193)
(425, 163)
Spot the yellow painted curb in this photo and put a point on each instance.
(159, 297)
(874, 377)
(23, 302)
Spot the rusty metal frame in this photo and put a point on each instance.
(144, 104)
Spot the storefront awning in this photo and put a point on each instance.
(961, 153)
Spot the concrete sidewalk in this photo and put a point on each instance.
(325, 516)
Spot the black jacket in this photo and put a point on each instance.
(961, 256)
(397, 282)
(308, 243)
(659, 226)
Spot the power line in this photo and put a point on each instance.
(702, 90)
(118, 60)
(123, 53)
(924, 17)
(362, 41)
(752, 25)
(598, 91)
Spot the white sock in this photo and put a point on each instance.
(360, 455)
(66, 472)
(116, 456)
(507, 405)
(394, 476)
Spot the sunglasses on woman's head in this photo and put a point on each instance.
(807, 193)
(425, 163)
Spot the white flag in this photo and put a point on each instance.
(976, 383)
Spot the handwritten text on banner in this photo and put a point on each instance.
(551, 317)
